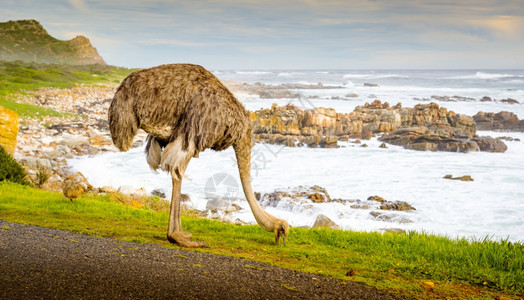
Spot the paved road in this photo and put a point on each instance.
(38, 263)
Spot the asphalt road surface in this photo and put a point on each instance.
(41, 263)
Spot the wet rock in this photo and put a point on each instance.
(510, 101)
(397, 205)
(501, 121)
(422, 146)
(392, 218)
(489, 144)
(323, 221)
(317, 198)
(367, 135)
(461, 178)
(508, 138)
(301, 194)
(377, 199)
(436, 138)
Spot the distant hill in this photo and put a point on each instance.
(27, 40)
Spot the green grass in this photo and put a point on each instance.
(395, 262)
(18, 77)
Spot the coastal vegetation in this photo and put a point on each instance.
(18, 77)
(10, 169)
(413, 264)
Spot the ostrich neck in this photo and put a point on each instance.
(243, 155)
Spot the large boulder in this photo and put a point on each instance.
(75, 185)
(501, 121)
(8, 129)
(323, 221)
(423, 139)
(489, 144)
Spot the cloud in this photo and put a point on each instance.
(173, 42)
(80, 5)
(306, 33)
(502, 26)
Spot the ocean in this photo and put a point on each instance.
(491, 206)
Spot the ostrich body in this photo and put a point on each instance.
(185, 109)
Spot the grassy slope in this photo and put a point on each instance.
(17, 77)
(396, 262)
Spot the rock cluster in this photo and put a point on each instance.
(306, 197)
(379, 208)
(293, 126)
(501, 121)
(423, 127)
(300, 194)
(44, 144)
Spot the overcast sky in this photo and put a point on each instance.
(296, 34)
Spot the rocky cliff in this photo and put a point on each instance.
(27, 40)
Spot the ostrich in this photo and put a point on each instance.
(185, 109)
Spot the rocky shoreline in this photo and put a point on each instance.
(44, 144)
(426, 127)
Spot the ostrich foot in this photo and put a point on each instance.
(182, 240)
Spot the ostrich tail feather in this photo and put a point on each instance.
(153, 152)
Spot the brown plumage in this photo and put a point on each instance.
(185, 109)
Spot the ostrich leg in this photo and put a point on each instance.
(175, 234)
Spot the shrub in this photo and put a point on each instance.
(10, 169)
